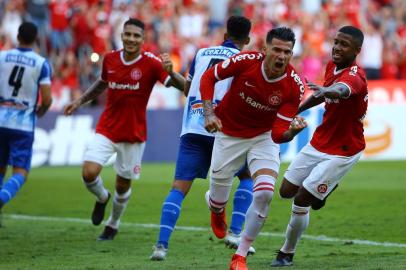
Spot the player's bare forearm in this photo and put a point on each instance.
(46, 100)
(310, 102)
(93, 91)
(43, 108)
(178, 81)
(337, 90)
(296, 126)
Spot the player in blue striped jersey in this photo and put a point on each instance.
(24, 77)
(196, 143)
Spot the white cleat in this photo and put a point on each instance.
(232, 240)
(159, 253)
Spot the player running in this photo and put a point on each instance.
(337, 144)
(255, 115)
(129, 75)
(24, 75)
(196, 143)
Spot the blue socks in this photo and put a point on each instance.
(1, 180)
(170, 214)
(242, 200)
(11, 187)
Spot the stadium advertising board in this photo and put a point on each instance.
(61, 140)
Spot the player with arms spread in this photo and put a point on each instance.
(196, 143)
(129, 75)
(337, 144)
(24, 76)
(255, 115)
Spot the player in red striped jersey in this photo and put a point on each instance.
(256, 114)
(129, 76)
(337, 144)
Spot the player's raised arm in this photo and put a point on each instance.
(337, 90)
(177, 80)
(91, 93)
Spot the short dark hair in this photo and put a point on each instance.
(27, 33)
(353, 31)
(135, 22)
(282, 33)
(238, 27)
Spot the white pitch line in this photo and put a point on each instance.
(320, 238)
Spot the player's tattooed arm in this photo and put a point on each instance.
(91, 93)
(211, 122)
(337, 90)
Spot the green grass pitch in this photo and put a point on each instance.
(47, 226)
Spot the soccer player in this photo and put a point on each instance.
(196, 143)
(337, 144)
(24, 75)
(129, 75)
(255, 115)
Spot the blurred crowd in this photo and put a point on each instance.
(74, 34)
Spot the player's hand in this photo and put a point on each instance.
(71, 107)
(167, 63)
(298, 124)
(318, 91)
(212, 123)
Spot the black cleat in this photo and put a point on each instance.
(108, 234)
(283, 259)
(98, 211)
(318, 204)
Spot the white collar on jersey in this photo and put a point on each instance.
(129, 62)
(266, 77)
(338, 71)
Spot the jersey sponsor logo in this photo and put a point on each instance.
(20, 59)
(218, 52)
(196, 107)
(332, 100)
(136, 74)
(122, 86)
(299, 82)
(111, 71)
(322, 188)
(249, 100)
(249, 56)
(11, 103)
(248, 84)
(225, 63)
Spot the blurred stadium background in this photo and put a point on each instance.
(74, 35)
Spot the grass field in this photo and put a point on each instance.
(47, 226)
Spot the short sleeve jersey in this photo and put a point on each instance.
(254, 102)
(129, 88)
(22, 71)
(341, 131)
(193, 118)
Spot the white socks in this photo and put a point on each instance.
(219, 192)
(298, 223)
(96, 187)
(120, 202)
(257, 212)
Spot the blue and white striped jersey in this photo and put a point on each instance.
(193, 118)
(21, 72)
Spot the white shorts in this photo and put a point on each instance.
(129, 155)
(319, 172)
(230, 154)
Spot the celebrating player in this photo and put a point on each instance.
(129, 75)
(256, 114)
(196, 143)
(24, 75)
(337, 144)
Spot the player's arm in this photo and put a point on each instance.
(46, 99)
(338, 90)
(91, 93)
(187, 87)
(176, 80)
(310, 102)
(286, 128)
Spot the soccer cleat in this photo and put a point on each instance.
(238, 262)
(108, 234)
(232, 240)
(283, 259)
(320, 203)
(159, 253)
(98, 211)
(218, 220)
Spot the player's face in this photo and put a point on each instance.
(278, 54)
(132, 37)
(344, 50)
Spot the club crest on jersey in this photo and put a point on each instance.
(136, 74)
(275, 99)
(322, 188)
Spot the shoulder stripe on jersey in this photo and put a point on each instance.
(284, 117)
(349, 88)
(46, 73)
(215, 73)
